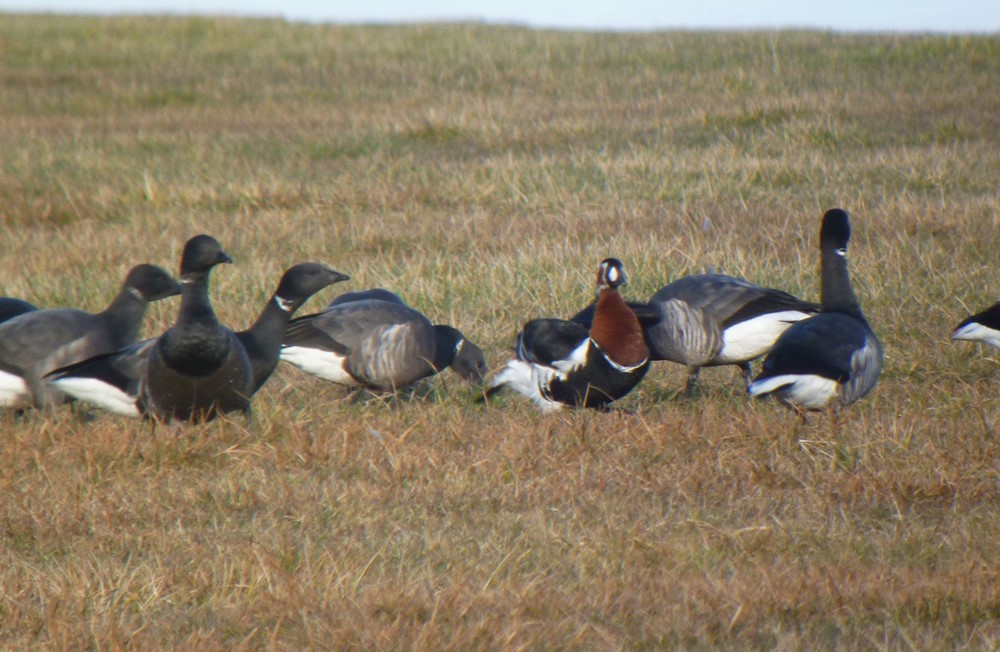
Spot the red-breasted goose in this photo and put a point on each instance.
(832, 358)
(112, 382)
(981, 327)
(373, 340)
(561, 362)
(36, 342)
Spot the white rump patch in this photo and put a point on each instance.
(808, 391)
(754, 337)
(976, 332)
(99, 394)
(322, 364)
(13, 391)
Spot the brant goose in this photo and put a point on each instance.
(10, 308)
(708, 320)
(197, 369)
(373, 340)
(36, 342)
(832, 358)
(561, 362)
(981, 327)
(112, 381)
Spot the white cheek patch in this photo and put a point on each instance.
(135, 292)
(842, 252)
(612, 275)
(284, 304)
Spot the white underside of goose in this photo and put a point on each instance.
(99, 394)
(322, 364)
(807, 391)
(754, 337)
(527, 379)
(13, 391)
(976, 332)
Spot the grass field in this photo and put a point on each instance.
(482, 173)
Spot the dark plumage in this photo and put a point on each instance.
(10, 308)
(707, 320)
(198, 369)
(981, 327)
(562, 362)
(371, 339)
(832, 358)
(112, 382)
(36, 342)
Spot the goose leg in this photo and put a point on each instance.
(747, 373)
(692, 379)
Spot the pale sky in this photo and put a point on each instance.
(847, 15)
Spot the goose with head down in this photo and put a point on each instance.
(371, 339)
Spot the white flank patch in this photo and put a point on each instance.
(527, 379)
(13, 391)
(976, 332)
(755, 337)
(322, 364)
(805, 390)
(99, 394)
(577, 358)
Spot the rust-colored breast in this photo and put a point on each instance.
(617, 331)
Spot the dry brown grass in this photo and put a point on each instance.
(481, 172)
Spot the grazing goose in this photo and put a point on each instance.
(10, 308)
(981, 327)
(198, 369)
(112, 381)
(561, 362)
(708, 320)
(36, 342)
(832, 358)
(373, 340)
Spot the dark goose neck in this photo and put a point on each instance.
(836, 291)
(124, 316)
(195, 305)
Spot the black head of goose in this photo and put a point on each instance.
(832, 358)
(981, 327)
(38, 341)
(112, 381)
(11, 307)
(372, 339)
(264, 339)
(561, 362)
(198, 369)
